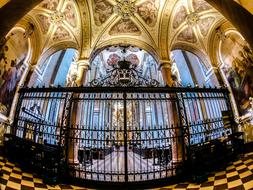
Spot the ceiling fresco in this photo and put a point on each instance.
(150, 24)
(58, 21)
(193, 19)
(102, 11)
(125, 27)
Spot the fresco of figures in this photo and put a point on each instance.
(125, 26)
(238, 68)
(13, 52)
(102, 11)
(148, 11)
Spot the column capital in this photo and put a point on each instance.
(32, 67)
(83, 63)
(165, 64)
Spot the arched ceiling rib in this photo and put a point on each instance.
(159, 23)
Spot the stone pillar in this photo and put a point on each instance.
(165, 67)
(218, 76)
(177, 141)
(29, 75)
(237, 15)
(83, 66)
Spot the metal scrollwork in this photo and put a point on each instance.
(124, 75)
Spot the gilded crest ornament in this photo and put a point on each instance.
(192, 19)
(57, 17)
(125, 8)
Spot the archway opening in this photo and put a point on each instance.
(108, 59)
(189, 70)
(54, 70)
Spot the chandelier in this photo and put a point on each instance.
(125, 8)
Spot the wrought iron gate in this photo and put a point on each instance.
(119, 135)
(122, 133)
(124, 136)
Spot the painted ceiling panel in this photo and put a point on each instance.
(125, 27)
(180, 16)
(91, 23)
(187, 35)
(102, 10)
(148, 11)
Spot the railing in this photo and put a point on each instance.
(123, 134)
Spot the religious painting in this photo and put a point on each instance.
(44, 22)
(102, 11)
(125, 27)
(148, 11)
(237, 58)
(61, 34)
(113, 59)
(179, 17)
(187, 35)
(70, 15)
(50, 4)
(13, 53)
(205, 25)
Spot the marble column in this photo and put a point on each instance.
(177, 141)
(83, 66)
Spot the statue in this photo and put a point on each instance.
(71, 80)
(175, 74)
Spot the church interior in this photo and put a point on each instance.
(134, 94)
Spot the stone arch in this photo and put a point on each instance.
(35, 43)
(127, 42)
(57, 47)
(214, 39)
(200, 54)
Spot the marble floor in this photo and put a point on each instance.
(114, 163)
(237, 176)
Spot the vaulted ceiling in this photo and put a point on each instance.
(155, 25)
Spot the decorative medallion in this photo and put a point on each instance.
(133, 59)
(125, 8)
(57, 17)
(102, 11)
(113, 59)
(148, 11)
(125, 27)
(192, 19)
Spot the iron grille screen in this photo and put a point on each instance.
(121, 134)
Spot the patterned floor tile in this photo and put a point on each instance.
(237, 176)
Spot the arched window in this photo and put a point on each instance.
(192, 71)
(54, 70)
(141, 60)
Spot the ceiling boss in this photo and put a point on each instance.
(125, 8)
